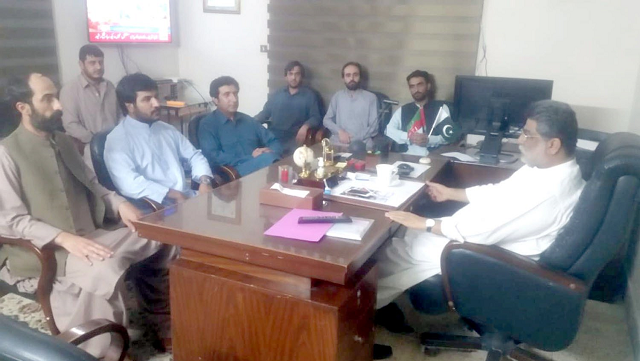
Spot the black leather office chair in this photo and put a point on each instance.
(583, 156)
(97, 158)
(226, 172)
(21, 343)
(509, 299)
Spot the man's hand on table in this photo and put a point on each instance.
(129, 214)
(407, 219)
(205, 188)
(177, 196)
(440, 193)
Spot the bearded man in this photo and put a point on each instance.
(352, 113)
(49, 197)
(410, 124)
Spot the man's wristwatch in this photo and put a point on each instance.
(430, 223)
(205, 180)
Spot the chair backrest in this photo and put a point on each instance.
(97, 158)
(19, 342)
(584, 156)
(602, 220)
(192, 131)
(385, 111)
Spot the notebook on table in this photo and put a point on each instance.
(288, 227)
(354, 231)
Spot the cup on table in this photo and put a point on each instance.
(286, 174)
(387, 174)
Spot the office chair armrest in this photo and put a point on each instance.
(315, 135)
(153, 204)
(49, 265)
(216, 182)
(503, 290)
(88, 330)
(320, 134)
(510, 259)
(227, 173)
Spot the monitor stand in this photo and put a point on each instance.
(490, 149)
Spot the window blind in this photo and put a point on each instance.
(27, 38)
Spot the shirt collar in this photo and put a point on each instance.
(85, 83)
(138, 125)
(426, 105)
(24, 132)
(285, 90)
(356, 93)
(223, 118)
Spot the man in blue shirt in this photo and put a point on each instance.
(228, 137)
(292, 110)
(144, 156)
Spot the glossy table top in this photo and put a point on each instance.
(230, 223)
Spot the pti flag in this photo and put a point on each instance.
(417, 123)
(445, 126)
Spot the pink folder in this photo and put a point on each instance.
(288, 226)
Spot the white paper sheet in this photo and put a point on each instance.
(290, 192)
(461, 156)
(372, 191)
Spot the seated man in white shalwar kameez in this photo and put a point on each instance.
(522, 214)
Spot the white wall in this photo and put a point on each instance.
(589, 48)
(155, 60)
(634, 121)
(212, 45)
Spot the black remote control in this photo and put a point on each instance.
(324, 219)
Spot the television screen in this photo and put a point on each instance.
(129, 21)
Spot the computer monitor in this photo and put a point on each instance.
(495, 107)
(490, 105)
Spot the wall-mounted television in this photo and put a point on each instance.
(129, 21)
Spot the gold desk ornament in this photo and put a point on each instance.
(320, 171)
(327, 152)
(326, 166)
(303, 157)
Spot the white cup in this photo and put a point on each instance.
(387, 174)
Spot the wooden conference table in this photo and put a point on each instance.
(237, 294)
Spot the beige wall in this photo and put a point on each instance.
(212, 45)
(589, 48)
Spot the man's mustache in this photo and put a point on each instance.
(57, 114)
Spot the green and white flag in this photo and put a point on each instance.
(444, 126)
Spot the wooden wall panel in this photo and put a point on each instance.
(27, 38)
(390, 38)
